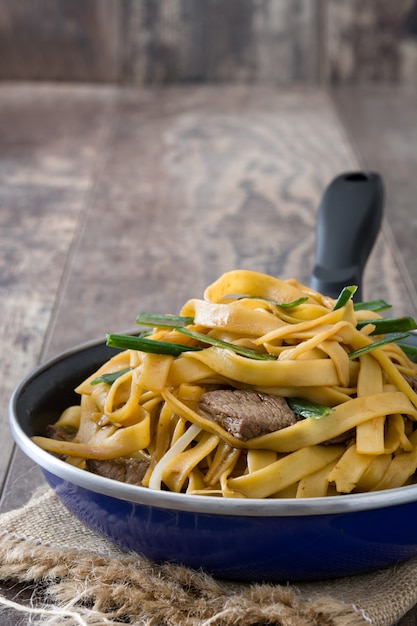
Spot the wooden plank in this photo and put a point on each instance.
(272, 41)
(368, 42)
(51, 139)
(59, 40)
(161, 42)
(215, 41)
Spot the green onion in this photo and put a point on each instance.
(377, 344)
(110, 377)
(133, 342)
(389, 325)
(289, 305)
(409, 351)
(305, 408)
(224, 344)
(168, 321)
(235, 296)
(372, 305)
(345, 295)
(284, 305)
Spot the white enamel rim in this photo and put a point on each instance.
(182, 502)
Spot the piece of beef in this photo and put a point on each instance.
(412, 381)
(60, 433)
(245, 413)
(346, 438)
(124, 470)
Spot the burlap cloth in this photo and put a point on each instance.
(84, 579)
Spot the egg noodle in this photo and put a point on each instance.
(302, 346)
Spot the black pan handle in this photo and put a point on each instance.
(348, 222)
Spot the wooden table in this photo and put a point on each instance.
(115, 200)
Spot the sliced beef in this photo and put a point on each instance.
(246, 414)
(347, 438)
(412, 381)
(60, 433)
(129, 471)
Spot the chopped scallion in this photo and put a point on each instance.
(168, 321)
(409, 351)
(284, 305)
(290, 305)
(345, 295)
(372, 305)
(133, 342)
(224, 344)
(389, 325)
(394, 338)
(110, 377)
(305, 408)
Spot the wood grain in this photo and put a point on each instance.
(216, 41)
(50, 141)
(371, 41)
(141, 42)
(59, 40)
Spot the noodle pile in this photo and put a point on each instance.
(306, 349)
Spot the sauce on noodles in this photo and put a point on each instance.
(144, 407)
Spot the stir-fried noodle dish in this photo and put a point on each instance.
(262, 389)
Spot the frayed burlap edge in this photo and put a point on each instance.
(99, 584)
(94, 588)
